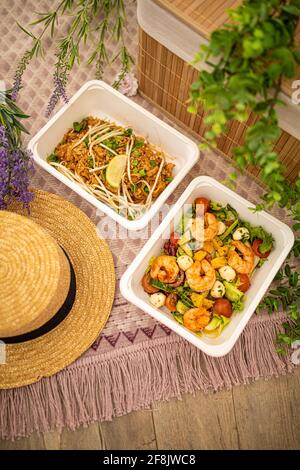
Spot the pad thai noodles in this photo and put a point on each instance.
(113, 164)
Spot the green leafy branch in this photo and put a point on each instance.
(286, 295)
(248, 58)
(10, 117)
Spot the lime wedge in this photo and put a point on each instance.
(115, 170)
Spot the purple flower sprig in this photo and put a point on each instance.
(15, 162)
(15, 167)
(19, 74)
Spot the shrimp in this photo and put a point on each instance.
(196, 280)
(245, 264)
(195, 319)
(208, 230)
(165, 269)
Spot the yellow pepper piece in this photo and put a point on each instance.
(217, 243)
(208, 246)
(197, 299)
(200, 255)
(207, 303)
(218, 262)
(222, 250)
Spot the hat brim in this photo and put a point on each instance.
(92, 262)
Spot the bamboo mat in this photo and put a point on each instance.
(204, 16)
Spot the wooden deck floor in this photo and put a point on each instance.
(263, 415)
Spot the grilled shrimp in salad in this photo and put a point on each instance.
(195, 319)
(242, 264)
(165, 269)
(201, 276)
(205, 269)
(205, 230)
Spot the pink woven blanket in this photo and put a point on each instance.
(135, 360)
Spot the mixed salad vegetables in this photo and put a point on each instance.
(205, 268)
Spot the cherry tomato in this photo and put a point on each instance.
(147, 286)
(174, 238)
(255, 247)
(202, 204)
(223, 307)
(244, 282)
(171, 302)
(170, 249)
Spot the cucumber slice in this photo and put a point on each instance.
(185, 300)
(178, 317)
(181, 307)
(186, 237)
(187, 249)
(161, 285)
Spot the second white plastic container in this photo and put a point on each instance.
(204, 186)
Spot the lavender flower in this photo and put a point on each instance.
(16, 88)
(19, 74)
(20, 166)
(58, 92)
(3, 137)
(4, 176)
(15, 167)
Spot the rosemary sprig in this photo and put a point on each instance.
(111, 18)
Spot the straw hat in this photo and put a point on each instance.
(57, 286)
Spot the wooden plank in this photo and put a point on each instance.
(89, 438)
(52, 440)
(34, 442)
(267, 413)
(133, 432)
(293, 387)
(196, 422)
(264, 415)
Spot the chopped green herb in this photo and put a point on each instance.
(138, 143)
(259, 232)
(80, 126)
(86, 142)
(153, 163)
(146, 189)
(52, 158)
(128, 132)
(215, 206)
(111, 143)
(261, 262)
(169, 179)
(90, 161)
(143, 172)
(136, 153)
(135, 163)
(133, 188)
(238, 306)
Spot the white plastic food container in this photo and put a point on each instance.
(96, 98)
(210, 188)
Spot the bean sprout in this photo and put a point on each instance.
(123, 199)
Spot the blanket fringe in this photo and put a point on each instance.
(99, 388)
